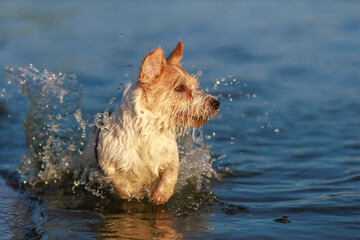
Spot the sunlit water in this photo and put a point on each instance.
(286, 148)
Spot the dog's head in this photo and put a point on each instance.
(170, 92)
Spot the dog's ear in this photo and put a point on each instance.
(176, 55)
(152, 65)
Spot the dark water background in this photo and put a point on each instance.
(288, 135)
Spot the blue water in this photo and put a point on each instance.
(287, 143)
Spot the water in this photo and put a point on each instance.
(286, 146)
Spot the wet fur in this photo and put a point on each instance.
(139, 153)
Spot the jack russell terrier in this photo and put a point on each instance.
(138, 151)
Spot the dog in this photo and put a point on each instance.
(137, 149)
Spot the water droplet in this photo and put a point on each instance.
(111, 102)
(72, 147)
(120, 86)
(277, 131)
(55, 128)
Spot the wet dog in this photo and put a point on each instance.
(138, 152)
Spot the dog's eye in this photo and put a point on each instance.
(180, 88)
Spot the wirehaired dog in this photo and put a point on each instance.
(138, 152)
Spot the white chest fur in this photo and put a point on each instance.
(136, 150)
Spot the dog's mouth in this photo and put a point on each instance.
(195, 121)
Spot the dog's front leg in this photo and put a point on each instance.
(165, 188)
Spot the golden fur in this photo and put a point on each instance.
(139, 153)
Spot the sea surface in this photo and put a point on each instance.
(282, 161)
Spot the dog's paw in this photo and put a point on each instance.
(161, 197)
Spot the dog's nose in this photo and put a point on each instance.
(215, 103)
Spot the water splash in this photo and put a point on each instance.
(50, 129)
(195, 162)
(56, 134)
